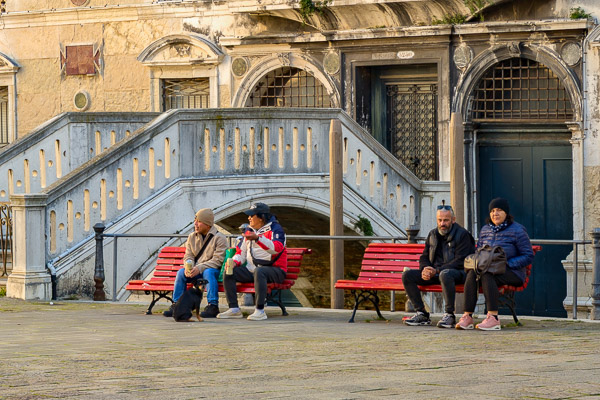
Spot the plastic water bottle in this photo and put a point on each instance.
(189, 264)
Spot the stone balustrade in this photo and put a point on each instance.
(250, 147)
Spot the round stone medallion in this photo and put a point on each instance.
(82, 100)
(239, 66)
(79, 2)
(463, 56)
(331, 63)
(571, 53)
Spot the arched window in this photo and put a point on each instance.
(289, 87)
(520, 89)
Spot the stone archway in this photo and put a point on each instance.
(487, 59)
(461, 107)
(531, 158)
(266, 65)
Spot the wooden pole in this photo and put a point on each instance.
(457, 166)
(336, 211)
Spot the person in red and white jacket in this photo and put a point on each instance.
(265, 256)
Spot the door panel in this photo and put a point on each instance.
(537, 181)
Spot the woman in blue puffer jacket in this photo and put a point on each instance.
(500, 230)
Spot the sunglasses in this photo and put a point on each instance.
(444, 207)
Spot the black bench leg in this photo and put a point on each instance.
(362, 296)
(376, 304)
(357, 300)
(277, 300)
(508, 300)
(156, 296)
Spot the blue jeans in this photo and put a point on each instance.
(212, 289)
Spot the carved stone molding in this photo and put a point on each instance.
(181, 50)
(514, 48)
(284, 59)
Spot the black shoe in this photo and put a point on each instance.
(447, 321)
(419, 318)
(210, 311)
(169, 312)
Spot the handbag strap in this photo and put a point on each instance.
(208, 239)
(273, 260)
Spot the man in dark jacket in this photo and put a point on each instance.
(441, 263)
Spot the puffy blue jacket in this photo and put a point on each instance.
(515, 242)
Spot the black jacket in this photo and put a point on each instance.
(457, 244)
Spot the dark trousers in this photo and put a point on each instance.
(448, 278)
(261, 276)
(489, 283)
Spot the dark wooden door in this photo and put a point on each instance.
(538, 183)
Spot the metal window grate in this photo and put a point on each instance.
(519, 89)
(289, 87)
(3, 115)
(412, 113)
(185, 93)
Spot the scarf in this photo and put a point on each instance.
(498, 228)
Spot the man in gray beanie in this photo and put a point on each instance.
(204, 252)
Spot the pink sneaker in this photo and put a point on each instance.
(489, 324)
(465, 322)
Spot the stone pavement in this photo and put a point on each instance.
(80, 350)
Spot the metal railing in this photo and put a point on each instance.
(99, 275)
(5, 238)
(411, 238)
(575, 244)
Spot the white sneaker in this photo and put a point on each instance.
(230, 314)
(258, 315)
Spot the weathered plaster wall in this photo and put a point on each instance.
(122, 84)
(33, 5)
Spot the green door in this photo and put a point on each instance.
(537, 181)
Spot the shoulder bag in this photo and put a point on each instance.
(487, 259)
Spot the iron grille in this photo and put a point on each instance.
(5, 239)
(412, 122)
(289, 87)
(3, 116)
(185, 93)
(521, 89)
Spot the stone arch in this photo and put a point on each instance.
(314, 204)
(304, 62)
(181, 49)
(487, 59)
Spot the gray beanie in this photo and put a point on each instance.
(206, 215)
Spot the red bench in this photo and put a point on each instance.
(170, 260)
(382, 267)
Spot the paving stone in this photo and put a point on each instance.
(82, 350)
